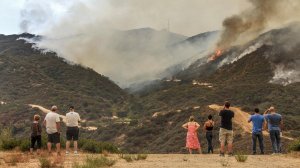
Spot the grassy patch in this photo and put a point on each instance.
(93, 146)
(295, 146)
(241, 158)
(14, 159)
(47, 163)
(130, 158)
(95, 162)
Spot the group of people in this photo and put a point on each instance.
(270, 119)
(53, 130)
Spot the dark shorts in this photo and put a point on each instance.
(72, 133)
(54, 138)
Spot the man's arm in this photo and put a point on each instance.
(266, 112)
(58, 127)
(281, 124)
(250, 119)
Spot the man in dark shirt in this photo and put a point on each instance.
(226, 133)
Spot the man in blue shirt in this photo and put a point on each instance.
(275, 125)
(257, 123)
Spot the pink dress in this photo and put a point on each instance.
(192, 141)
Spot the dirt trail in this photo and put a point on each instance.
(167, 161)
(241, 118)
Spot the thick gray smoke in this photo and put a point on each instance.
(263, 15)
(93, 33)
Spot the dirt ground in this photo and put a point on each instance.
(164, 161)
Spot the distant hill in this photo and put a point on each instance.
(29, 76)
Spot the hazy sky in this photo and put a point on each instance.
(188, 17)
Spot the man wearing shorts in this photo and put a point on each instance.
(226, 133)
(52, 123)
(72, 119)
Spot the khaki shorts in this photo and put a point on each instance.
(225, 135)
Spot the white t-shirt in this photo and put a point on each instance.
(72, 119)
(51, 120)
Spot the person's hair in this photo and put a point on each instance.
(53, 108)
(210, 117)
(192, 118)
(227, 104)
(36, 117)
(256, 110)
(272, 109)
(71, 107)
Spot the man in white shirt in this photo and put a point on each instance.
(52, 123)
(72, 120)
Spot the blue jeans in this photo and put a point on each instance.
(259, 136)
(275, 139)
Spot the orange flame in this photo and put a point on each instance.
(217, 54)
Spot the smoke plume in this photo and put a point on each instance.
(94, 33)
(262, 16)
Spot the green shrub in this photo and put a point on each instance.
(127, 157)
(9, 144)
(96, 162)
(141, 157)
(295, 146)
(24, 145)
(93, 146)
(45, 163)
(241, 158)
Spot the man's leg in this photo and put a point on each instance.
(58, 148)
(254, 136)
(261, 142)
(49, 144)
(222, 138)
(230, 141)
(278, 141)
(75, 146)
(273, 141)
(67, 146)
(57, 143)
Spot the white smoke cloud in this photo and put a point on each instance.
(88, 32)
(284, 75)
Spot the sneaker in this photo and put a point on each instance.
(222, 155)
(67, 152)
(75, 153)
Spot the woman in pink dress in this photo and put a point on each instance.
(192, 142)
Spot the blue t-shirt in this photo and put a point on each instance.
(274, 121)
(257, 122)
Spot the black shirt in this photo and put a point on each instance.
(226, 119)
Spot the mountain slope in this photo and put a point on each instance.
(31, 77)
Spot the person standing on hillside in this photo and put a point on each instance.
(257, 128)
(36, 134)
(72, 120)
(192, 141)
(275, 125)
(226, 132)
(52, 123)
(208, 128)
